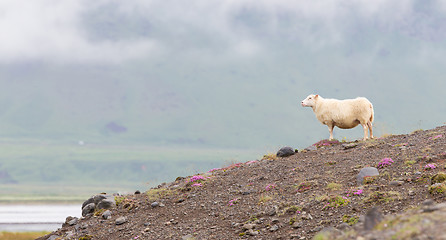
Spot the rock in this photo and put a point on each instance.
(248, 226)
(120, 220)
(296, 225)
(372, 217)
(366, 172)
(88, 209)
(349, 145)
(188, 237)
(343, 226)
(162, 204)
(154, 204)
(251, 232)
(275, 220)
(396, 183)
(106, 215)
(137, 192)
(106, 203)
(70, 221)
(94, 199)
(273, 228)
(285, 152)
(311, 148)
(53, 237)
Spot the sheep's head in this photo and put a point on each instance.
(310, 101)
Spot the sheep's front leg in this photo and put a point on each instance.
(330, 128)
(369, 124)
(365, 131)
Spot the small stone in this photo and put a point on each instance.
(73, 221)
(147, 230)
(120, 220)
(311, 148)
(275, 220)
(53, 237)
(106, 215)
(88, 209)
(251, 232)
(349, 145)
(372, 217)
(188, 237)
(154, 204)
(137, 192)
(285, 152)
(273, 228)
(343, 226)
(396, 183)
(248, 226)
(366, 172)
(411, 193)
(296, 225)
(162, 204)
(106, 203)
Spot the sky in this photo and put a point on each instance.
(197, 58)
(65, 31)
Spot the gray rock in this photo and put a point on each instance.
(73, 221)
(285, 152)
(372, 217)
(94, 199)
(273, 228)
(396, 183)
(251, 232)
(120, 220)
(154, 204)
(296, 225)
(343, 226)
(188, 237)
(106, 215)
(106, 203)
(248, 226)
(88, 209)
(366, 172)
(349, 145)
(311, 148)
(53, 237)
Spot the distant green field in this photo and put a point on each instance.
(48, 171)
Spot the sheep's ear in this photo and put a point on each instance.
(316, 96)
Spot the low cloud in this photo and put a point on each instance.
(115, 31)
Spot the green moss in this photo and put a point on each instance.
(334, 186)
(382, 197)
(350, 220)
(369, 179)
(438, 188)
(335, 201)
(438, 178)
(86, 237)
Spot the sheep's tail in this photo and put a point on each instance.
(371, 117)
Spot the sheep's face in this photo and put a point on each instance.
(310, 101)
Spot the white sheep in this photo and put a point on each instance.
(344, 114)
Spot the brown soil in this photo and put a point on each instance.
(280, 198)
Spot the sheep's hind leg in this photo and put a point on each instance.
(365, 131)
(369, 124)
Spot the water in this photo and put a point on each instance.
(24, 218)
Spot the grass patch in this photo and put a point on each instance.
(21, 235)
(334, 186)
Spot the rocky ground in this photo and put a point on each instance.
(318, 192)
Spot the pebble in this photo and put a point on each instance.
(251, 232)
(106, 215)
(154, 204)
(248, 226)
(120, 220)
(396, 183)
(273, 228)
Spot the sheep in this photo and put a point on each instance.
(343, 114)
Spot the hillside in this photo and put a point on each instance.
(291, 197)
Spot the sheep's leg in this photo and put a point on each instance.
(330, 128)
(369, 124)
(365, 131)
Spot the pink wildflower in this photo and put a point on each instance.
(359, 192)
(385, 162)
(251, 162)
(196, 178)
(270, 187)
(197, 185)
(214, 169)
(430, 166)
(232, 202)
